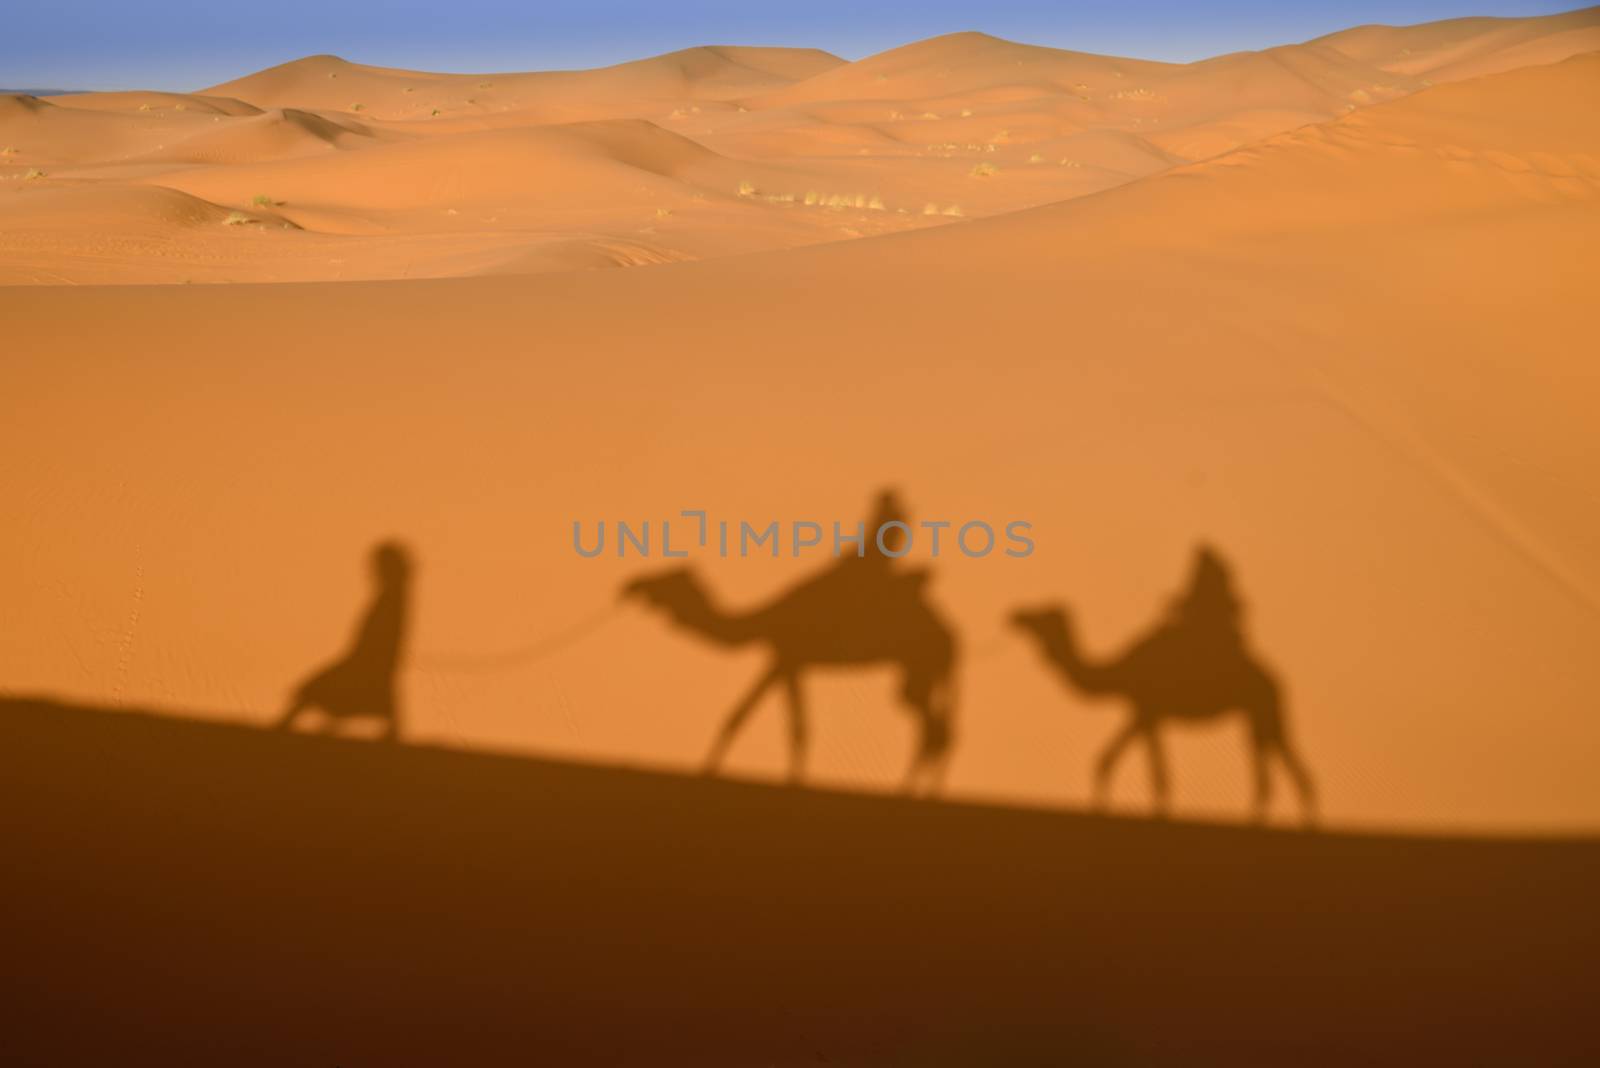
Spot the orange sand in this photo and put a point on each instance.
(1298, 304)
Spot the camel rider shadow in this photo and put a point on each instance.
(1193, 665)
(861, 611)
(361, 683)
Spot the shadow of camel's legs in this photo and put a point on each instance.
(1158, 772)
(937, 743)
(1108, 761)
(1260, 751)
(798, 738)
(297, 705)
(736, 718)
(1302, 781)
(929, 768)
(923, 761)
(934, 738)
(914, 775)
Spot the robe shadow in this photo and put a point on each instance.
(360, 684)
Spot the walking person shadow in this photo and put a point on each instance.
(361, 683)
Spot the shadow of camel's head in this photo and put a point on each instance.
(661, 587)
(1047, 622)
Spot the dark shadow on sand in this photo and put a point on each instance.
(187, 892)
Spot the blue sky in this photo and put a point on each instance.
(187, 44)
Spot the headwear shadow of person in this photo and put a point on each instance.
(361, 683)
(1195, 664)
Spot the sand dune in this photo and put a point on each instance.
(1465, 48)
(709, 73)
(798, 147)
(152, 209)
(961, 63)
(511, 168)
(1348, 356)
(269, 135)
(147, 100)
(43, 133)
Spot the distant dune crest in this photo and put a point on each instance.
(326, 169)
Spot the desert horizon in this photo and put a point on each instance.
(581, 438)
(323, 169)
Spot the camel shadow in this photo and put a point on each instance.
(860, 611)
(1193, 665)
(360, 684)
